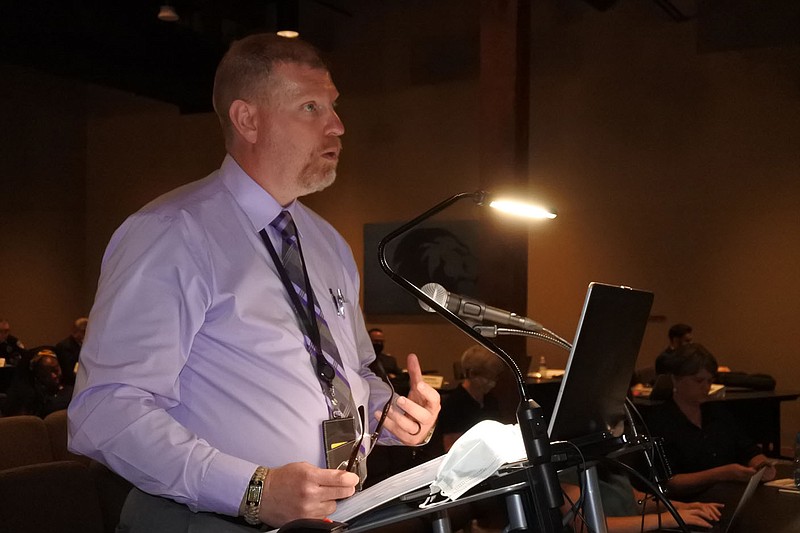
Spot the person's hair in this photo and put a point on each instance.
(679, 330)
(379, 330)
(247, 66)
(690, 358)
(478, 361)
(80, 323)
(39, 354)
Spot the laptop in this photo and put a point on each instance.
(728, 519)
(590, 406)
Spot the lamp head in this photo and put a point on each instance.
(519, 208)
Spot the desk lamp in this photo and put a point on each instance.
(541, 474)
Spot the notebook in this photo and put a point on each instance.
(728, 519)
(590, 406)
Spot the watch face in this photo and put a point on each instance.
(254, 493)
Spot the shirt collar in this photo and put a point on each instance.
(259, 206)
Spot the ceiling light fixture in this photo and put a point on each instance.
(287, 17)
(167, 13)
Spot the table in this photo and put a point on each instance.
(768, 510)
(758, 412)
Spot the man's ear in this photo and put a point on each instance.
(244, 119)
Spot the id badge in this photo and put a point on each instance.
(339, 436)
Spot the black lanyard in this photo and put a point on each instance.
(307, 316)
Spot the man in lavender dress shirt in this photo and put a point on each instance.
(194, 374)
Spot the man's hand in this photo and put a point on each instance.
(417, 413)
(709, 511)
(761, 460)
(302, 490)
(692, 517)
(736, 472)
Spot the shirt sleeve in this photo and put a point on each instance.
(151, 301)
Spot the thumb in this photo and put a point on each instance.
(414, 370)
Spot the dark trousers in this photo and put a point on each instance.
(143, 513)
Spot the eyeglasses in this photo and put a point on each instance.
(353, 462)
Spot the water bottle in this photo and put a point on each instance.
(542, 367)
(797, 460)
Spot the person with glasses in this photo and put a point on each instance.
(225, 371)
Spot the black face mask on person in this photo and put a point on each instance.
(378, 347)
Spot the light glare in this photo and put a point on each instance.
(523, 209)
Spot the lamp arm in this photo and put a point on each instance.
(479, 197)
(541, 475)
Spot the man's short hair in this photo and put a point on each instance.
(679, 330)
(478, 361)
(247, 66)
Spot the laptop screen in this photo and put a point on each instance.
(752, 485)
(591, 401)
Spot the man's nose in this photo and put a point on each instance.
(335, 125)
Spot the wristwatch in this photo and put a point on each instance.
(252, 502)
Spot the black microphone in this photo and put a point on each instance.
(475, 311)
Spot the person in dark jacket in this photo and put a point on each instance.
(38, 388)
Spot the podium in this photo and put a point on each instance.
(512, 487)
(400, 511)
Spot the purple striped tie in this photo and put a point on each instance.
(293, 263)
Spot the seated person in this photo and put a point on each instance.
(622, 505)
(468, 404)
(11, 349)
(679, 335)
(387, 361)
(703, 443)
(68, 350)
(38, 388)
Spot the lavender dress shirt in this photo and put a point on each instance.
(194, 371)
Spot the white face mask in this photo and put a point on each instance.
(475, 456)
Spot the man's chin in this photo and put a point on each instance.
(319, 182)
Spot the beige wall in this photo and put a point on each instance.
(675, 172)
(672, 171)
(42, 204)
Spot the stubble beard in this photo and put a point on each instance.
(316, 176)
